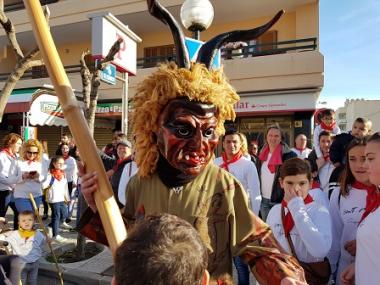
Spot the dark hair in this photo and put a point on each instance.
(230, 132)
(346, 178)
(326, 112)
(295, 166)
(11, 139)
(324, 133)
(54, 160)
(162, 249)
(27, 213)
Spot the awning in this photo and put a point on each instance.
(20, 100)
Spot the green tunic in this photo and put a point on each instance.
(217, 206)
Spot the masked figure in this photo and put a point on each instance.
(179, 114)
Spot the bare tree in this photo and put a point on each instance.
(23, 62)
(90, 82)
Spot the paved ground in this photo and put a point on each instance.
(96, 270)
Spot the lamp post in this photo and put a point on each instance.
(196, 16)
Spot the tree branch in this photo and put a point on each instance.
(10, 31)
(86, 80)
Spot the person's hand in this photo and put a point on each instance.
(347, 277)
(89, 185)
(320, 162)
(289, 194)
(291, 281)
(351, 247)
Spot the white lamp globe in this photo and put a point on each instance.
(197, 15)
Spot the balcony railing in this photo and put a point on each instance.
(227, 53)
(244, 51)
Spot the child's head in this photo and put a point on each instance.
(361, 127)
(26, 220)
(355, 168)
(372, 153)
(56, 162)
(295, 175)
(327, 116)
(161, 249)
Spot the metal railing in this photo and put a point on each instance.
(227, 53)
(244, 51)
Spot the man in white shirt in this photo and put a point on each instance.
(322, 171)
(300, 147)
(234, 161)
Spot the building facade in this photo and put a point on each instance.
(354, 108)
(278, 77)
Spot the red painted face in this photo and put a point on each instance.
(187, 137)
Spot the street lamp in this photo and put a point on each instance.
(196, 16)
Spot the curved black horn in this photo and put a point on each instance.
(208, 50)
(161, 13)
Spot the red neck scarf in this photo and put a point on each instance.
(65, 157)
(372, 200)
(328, 128)
(119, 162)
(57, 174)
(275, 159)
(326, 157)
(288, 222)
(8, 151)
(315, 184)
(226, 162)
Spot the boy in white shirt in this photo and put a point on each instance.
(306, 222)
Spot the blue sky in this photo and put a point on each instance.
(350, 42)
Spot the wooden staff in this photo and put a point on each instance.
(105, 202)
(42, 226)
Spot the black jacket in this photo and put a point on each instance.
(339, 146)
(277, 193)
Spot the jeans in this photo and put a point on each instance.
(29, 273)
(242, 271)
(58, 214)
(24, 204)
(4, 201)
(265, 207)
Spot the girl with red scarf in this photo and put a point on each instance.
(347, 205)
(366, 269)
(57, 194)
(299, 218)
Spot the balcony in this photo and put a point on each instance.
(283, 65)
(244, 51)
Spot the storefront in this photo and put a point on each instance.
(25, 109)
(292, 110)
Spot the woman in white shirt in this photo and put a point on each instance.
(29, 176)
(8, 171)
(366, 269)
(347, 205)
(299, 217)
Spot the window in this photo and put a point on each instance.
(154, 55)
(342, 116)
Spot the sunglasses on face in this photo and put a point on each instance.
(32, 152)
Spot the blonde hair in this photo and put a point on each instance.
(31, 143)
(169, 82)
(244, 143)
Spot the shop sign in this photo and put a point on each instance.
(28, 133)
(108, 74)
(280, 102)
(193, 46)
(106, 30)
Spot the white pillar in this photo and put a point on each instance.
(124, 102)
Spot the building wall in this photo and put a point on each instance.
(368, 109)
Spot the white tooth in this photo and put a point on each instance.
(180, 155)
(187, 157)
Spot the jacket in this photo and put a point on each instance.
(339, 146)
